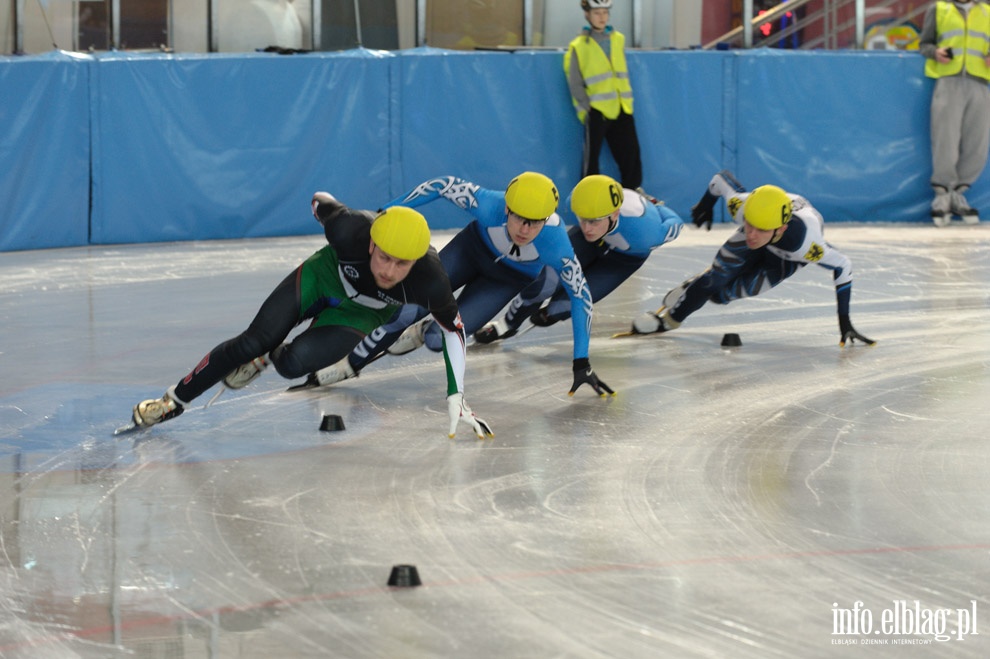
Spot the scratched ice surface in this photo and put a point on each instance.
(761, 501)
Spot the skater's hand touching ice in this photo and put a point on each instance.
(849, 332)
(459, 411)
(584, 374)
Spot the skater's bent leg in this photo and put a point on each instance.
(382, 338)
(314, 349)
(273, 322)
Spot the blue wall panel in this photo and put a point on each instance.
(44, 151)
(203, 147)
(149, 147)
(847, 130)
(679, 105)
(485, 117)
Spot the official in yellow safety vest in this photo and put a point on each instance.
(955, 40)
(598, 77)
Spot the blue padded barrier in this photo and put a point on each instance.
(848, 130)
(199, 147)
(44, 151)
(127, 147)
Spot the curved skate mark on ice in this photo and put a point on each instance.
(276, 502)
(485, 491)
(4, 408)
(913, 417)
(549, 500)
(827, 463)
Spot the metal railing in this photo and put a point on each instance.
(827, 23)
(835, 33)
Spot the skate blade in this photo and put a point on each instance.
(623, 335)
(525, 327)
(304, 386)
(128, 429)
(217, 395)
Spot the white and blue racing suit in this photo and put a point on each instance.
(641, 228)
(739, 272)
(483, 260)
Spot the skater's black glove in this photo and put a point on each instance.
(583, 374)
(703, 212)
(849, 332)
(325, 206)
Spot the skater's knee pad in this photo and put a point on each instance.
(287, 363)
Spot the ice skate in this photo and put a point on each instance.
(961, 207)
(942, 219)
(650, 198)
(653, 323)
(334, 373)
(245, 374)
(150, 412)
(412, 338)
(542, 318)
(941, 210)
(971, 218)
(494, 331)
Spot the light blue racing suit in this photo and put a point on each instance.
(641, 228)
(483, 260)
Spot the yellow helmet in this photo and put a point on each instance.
(767, 208)
(532, 196)
(596, 196)
(402, 233)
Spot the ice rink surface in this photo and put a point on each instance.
(787, 498)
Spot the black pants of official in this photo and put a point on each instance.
(620, 134)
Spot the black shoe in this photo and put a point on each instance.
(493, 332)
(542, 318)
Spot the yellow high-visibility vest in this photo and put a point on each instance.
(607, 81)
(969, 40)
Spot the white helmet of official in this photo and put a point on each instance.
(588, 5)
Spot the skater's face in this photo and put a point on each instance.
(388, 270)
(757, 238)
(522, 231)
(597, 18)
(594, 229)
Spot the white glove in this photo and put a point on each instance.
(459, 411)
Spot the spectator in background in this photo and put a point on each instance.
(597, 75)
(955, 40)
